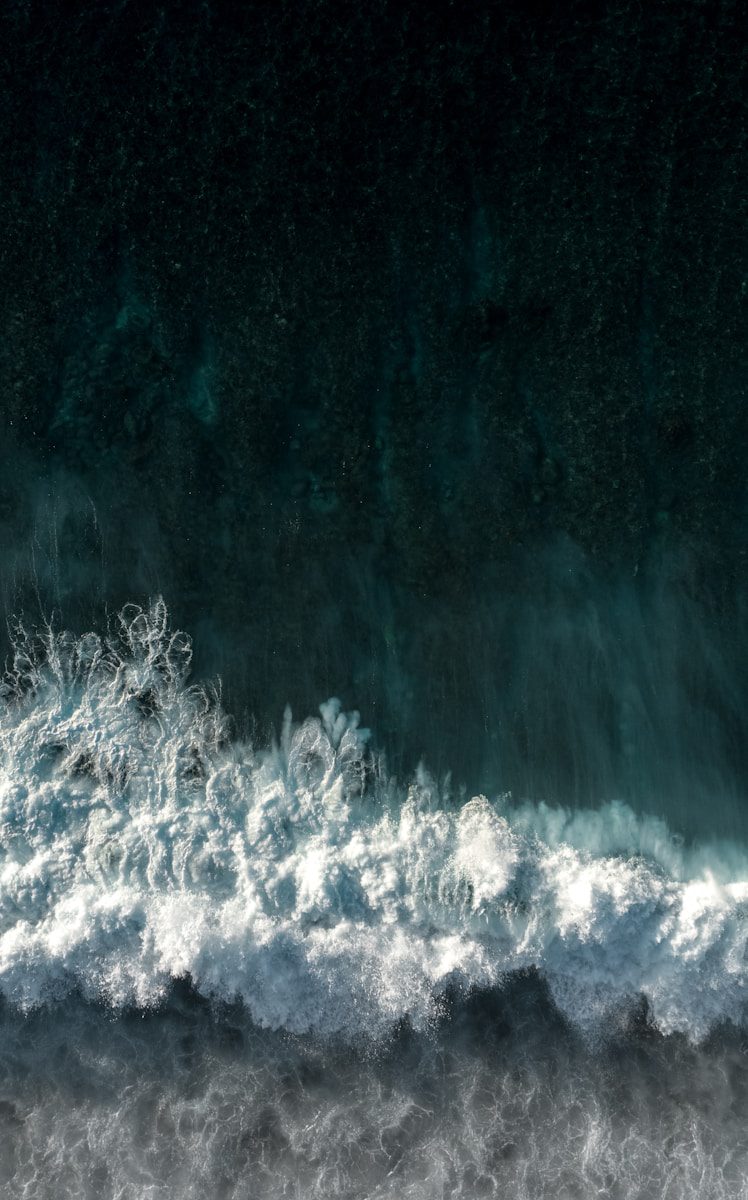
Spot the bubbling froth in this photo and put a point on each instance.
(139, 845)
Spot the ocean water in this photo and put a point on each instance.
(275, 970)
(373, 596)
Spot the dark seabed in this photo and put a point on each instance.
(398, 355)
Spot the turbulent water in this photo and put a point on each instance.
(402, 349)
(235, 970)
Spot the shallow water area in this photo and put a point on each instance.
(501, 1097)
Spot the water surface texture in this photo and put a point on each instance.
(373, 736)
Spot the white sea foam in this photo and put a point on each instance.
(139, 845)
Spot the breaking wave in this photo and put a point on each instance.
(141, 845)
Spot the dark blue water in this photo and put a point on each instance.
(402, 353)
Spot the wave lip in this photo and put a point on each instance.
(139, 844)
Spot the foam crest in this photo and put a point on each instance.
(139, 844)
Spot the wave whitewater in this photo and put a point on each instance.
(140, 845)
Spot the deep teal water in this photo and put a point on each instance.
(403, 353)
